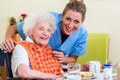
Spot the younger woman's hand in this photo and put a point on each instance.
(8, 45)
(85, 67)
(59, 55)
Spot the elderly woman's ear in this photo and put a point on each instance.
(30, 33)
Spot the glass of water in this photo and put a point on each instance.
(73, 71)
(114, 71)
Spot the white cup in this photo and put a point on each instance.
(94, 66)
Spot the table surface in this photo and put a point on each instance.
(118, 75)
(100, 76)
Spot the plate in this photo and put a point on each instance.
(87, 75)
(82, 78)
(88, 78)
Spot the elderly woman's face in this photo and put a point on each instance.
(41, 33)
(71, 21)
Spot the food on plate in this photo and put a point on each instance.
(86, 74)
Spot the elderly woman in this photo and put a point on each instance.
(32, 58)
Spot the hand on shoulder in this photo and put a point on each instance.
(8, 45)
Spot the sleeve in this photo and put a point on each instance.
(19, 56)
(20, 30)
(81, 45)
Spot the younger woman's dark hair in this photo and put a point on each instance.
(76, 0)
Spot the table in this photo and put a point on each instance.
(100, 76)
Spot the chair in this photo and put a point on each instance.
(2, 66)
(97, 48)
(7, 57)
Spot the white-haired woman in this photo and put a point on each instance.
(32, 58)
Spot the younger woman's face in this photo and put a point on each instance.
(71, 21)
(41, 33)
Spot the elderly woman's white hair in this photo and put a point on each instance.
(33, 18)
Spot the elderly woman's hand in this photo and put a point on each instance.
(8, 45)
(54, 77)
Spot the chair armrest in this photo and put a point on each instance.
(14, 78)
